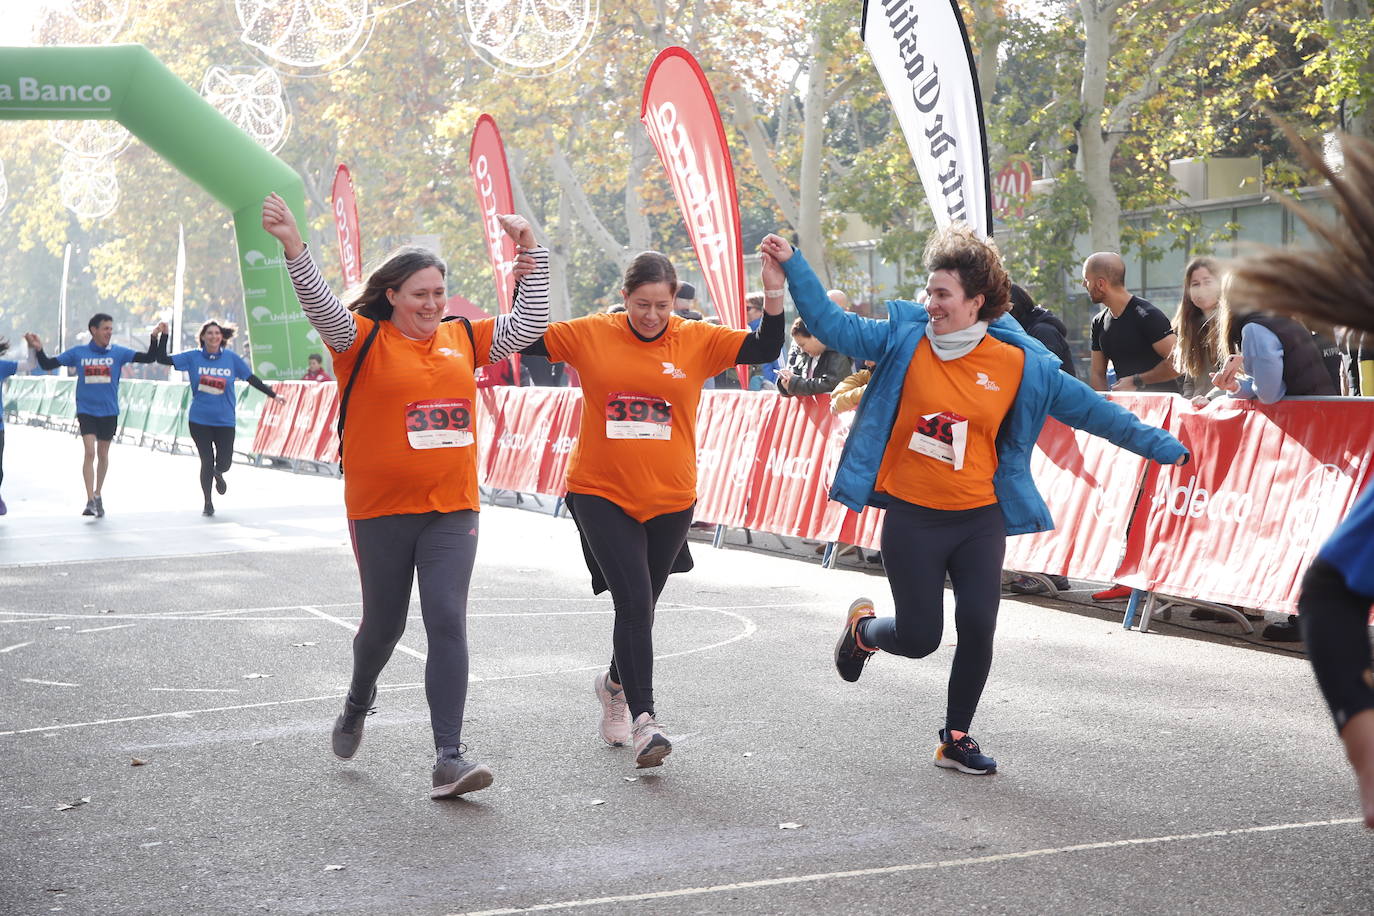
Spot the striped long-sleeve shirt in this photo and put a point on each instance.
(515, 330)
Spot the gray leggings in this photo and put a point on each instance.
(390, 550)
(919, 546)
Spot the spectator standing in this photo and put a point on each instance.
(315, 371)
(1129, 333)
(1044, 326)
(1195, 355)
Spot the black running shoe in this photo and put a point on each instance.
(963, 755)
(220, 486)
(849, 655)
(1288, 631)
(208, 511)
(454, 775)
(348, 727)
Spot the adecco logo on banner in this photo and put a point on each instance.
(29, 89)
(737, 468)
(1191, 501)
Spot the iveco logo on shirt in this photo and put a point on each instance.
(674, 371)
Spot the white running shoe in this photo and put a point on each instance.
(615, 714)
(651, 745)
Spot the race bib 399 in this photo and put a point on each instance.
(439, 423)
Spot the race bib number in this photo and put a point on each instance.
(942, 436)
(638, 416)
(210, 384)
(443, 423)
(96, 375)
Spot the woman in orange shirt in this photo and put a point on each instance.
(632, 475)
(942, 440)
(411, 487)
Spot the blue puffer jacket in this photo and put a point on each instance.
(1044, 391)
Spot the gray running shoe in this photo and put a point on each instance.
(348, 727)
(99, 508)
(651, 745)
(454, 775)
(615, 713)
(90, 508)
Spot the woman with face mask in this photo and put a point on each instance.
(410, 451)
(1195, 356)
(632, 475)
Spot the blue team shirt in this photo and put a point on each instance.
(7, 368)
(212, 384)
(97, 377)
(1351, 547)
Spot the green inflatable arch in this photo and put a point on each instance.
(126, 83)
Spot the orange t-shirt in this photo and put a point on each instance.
(410, 434)
(942, 452)
(637, 444)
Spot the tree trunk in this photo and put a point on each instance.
(809, 201)
(636, 218)
(1358, 123)
(559, 243)
(1095, 148)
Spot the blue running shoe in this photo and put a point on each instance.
(963, 755)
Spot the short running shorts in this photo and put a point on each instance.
(103, 428)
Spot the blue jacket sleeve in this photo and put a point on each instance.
(1074, 403)
(851, 334)
(1263, 355)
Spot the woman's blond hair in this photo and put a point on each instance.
(1333, 285)
(1197, 337)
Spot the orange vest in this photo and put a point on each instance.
(637, 443)
(942, 451)
(410, 435)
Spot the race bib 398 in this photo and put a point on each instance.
(638, 416)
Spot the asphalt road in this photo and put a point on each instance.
(1143, 773)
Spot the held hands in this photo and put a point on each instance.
(33, 341)
(161, 329)
(776, 247)
(280, 223)
(773, 276)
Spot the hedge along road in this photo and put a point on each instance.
(1145, 773)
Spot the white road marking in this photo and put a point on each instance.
(909, 867)
(34, 680)
(353, 629)
(18, 645)
(121, 626)
(196, 689)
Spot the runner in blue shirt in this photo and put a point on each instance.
(98, 366)
(211, 370)
(8, 367)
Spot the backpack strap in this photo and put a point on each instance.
(353, 377)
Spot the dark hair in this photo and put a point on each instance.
(98, 319)
(399, 266)
(753, 301)
(1021, 303)
(800, 329)
(4, 345)
(649, 267)
(228, 330)
(316, 357)
(1333, 284)
(1196, 350)
(958, 248)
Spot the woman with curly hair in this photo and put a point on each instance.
(942, 439)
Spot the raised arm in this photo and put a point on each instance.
(324, 311)
(157, 345)
(45, 362)
(529, 315)
(859, 337)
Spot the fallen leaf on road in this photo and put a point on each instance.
(630, 778)
(255, 676)
(748, 753)
(104, 610)
(789, 826)
(597, 801)
(302, 645)
(76, 804)
(87, 605)
(137, 762)
(59, 628)
(335, 867)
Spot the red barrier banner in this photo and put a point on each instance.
(567, 416)
(303, 438)
(327, 441)
(730, 426)
(787, 491)
(1241, 522)
(278, 418)
(680, 115)
(531, 437)
(346, 225)
(1090, 487)
(491, 176)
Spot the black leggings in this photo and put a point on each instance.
(2, 454)
(215, 445)
(391, 550)
(919, 546)
(635, 559)
(1335, 626)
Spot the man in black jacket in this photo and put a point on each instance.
(812, 367)
(1042, 324)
